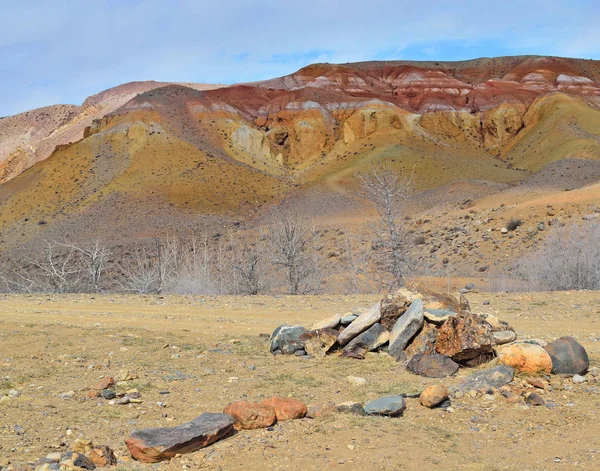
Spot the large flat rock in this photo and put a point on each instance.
(405, 329)
(360, 324)
(153, 445)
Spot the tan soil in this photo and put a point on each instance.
(47, 344)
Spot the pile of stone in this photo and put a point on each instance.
(434, 334)
(116, 393)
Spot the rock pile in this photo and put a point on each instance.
(84, 455)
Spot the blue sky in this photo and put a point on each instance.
(61, 51)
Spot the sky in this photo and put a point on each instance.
(62, 51)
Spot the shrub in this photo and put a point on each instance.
(513, 223)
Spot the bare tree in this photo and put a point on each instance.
(139, 271)
(247, 265)
(387, 190)
(569, 259)
(357, 257)
(292, 247)
(93, 258)
(195, 266)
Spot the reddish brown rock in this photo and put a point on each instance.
(433, 396)
(321, 410)
(93, 393)
(392, 307)
(103, 456)
(423, 342)
(250, 415)
(464, 337)
(318, 342)
(159, 444)
(525, 358)
(105, 383)
(286, 408)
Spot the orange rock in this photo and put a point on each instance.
(433, 395)
(93, 393)
(105, 383)
(250, 415)
(103, 456)
(526, 358)
(286, 408)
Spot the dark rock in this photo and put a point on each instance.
(568, 356)
(318, 342)
(369, 340)
(465, 337)
(534, 399)
(159, 444)
(432, 366)
(392, 406)
(423, 342)
(405, 329)
(350, 407)
(108, 394)
(491, 378)
(486, 302)
(72, 458)
(286, 338)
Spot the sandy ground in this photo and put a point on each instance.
(206, 352)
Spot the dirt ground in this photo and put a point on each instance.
(206, 352)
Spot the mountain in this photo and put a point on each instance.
(150, 158)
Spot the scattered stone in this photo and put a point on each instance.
(122, 401)
(405, 329)
(318, 342)
(321, 410)
(568, 356)
(534, 399)
(465, 337)
(250, 415)
(108, 394)
(525, 358)
(105, 383)
(490, 378)
(286, 338)
(103, 456)
(298, 353)
(93, 393)
(503, 337)
(578, 379)
(159, 444)
(486, 302)
(432, 366)
(371, 339)
(350, 407)
(433, 396)
(329, 323)
(286, 408)
(67, 395)
(392, 406)
(356, 381)
(536, 383)
(14, 393)
(360, 324)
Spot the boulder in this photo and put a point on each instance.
(432, 366)
(568, 356)
(392, 406)
(433, 396)
(405, 329)
(502, 337)
(464, 337)
(250, 415)
(159, 444)
(525, 358)
(437, 308)
(351, 407)
(371, 339)
(392, 308)
(423, 342)
(318, 342)
(490, 378)
(286, 339)
(286, 408)
(320, 410)
(360, 324)
(329, 323)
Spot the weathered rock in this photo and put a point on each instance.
(392, 406)
(318, 342)
(405, 329)
(437, 308)
(568, 356)
(360, 324)
(491, 378)
(105, 383)
(534, 399)
(329, 323)
(103, 456)
(286, 339)
(286, 408)
(350, 407)
(432, 366)
(434, 395)
(525, 358)
(77, 460)
(392, 308)
(502, 337)
(320, 410)
(464, 337)
(423, 342)
(250, 415)
(371, 339)
(159, 444)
